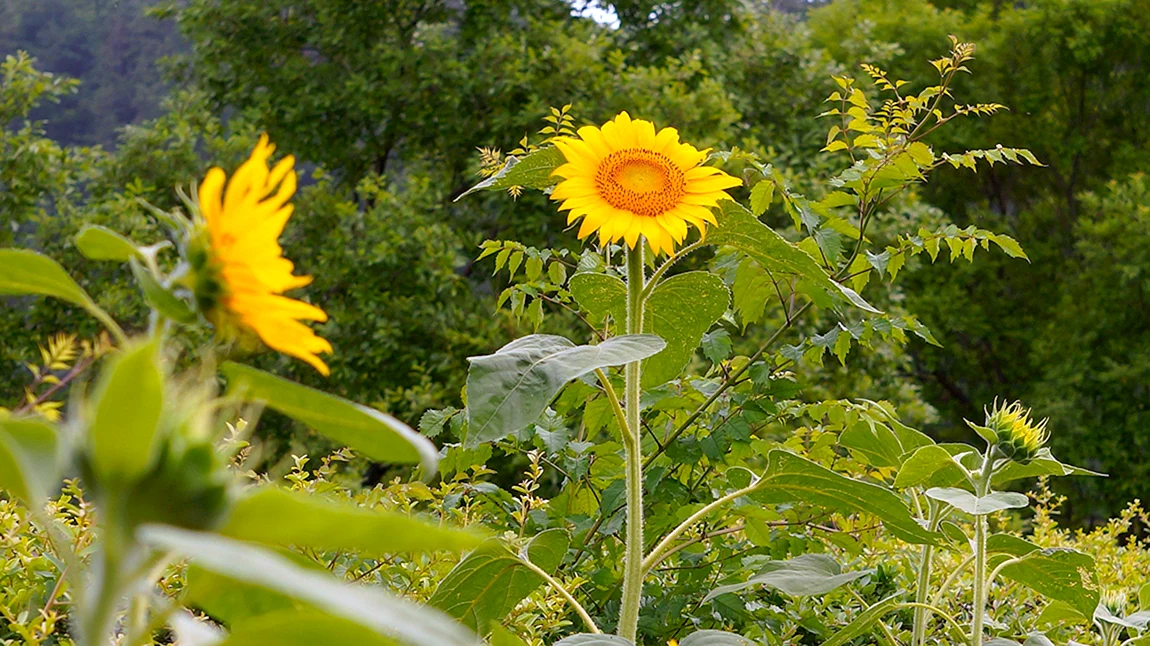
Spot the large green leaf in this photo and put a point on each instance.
(303, 628)
(508, 390)
(488, 584)
(931, 464)
(125, 414)
(376, 435)
(371, 608)
(28, 465)
(740, 229)
(1044, 464)
(790, 477)
(531, 171)
(978, 505)
(1059, 574)
(715, 638)
(803, 576)
(275, 516)
(679, 311)
(102, 243)
(26, 272)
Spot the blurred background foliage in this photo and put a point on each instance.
(385, 102)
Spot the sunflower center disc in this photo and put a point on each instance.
(643, 182)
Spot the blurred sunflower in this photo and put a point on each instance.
(625, 181)
(241, 271)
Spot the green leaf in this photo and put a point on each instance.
(488, 584)
(531, 171)
(27, 272)
(762, 194)
(125, 415)
(1009, 245)
(716, 345)
(1043, 464)
(368, 607)
(978, 505)
(160, 298)
(507, 391)
(1144, 597)
(102, 243)
(275, 516)
(376, 435)
(592, 639)
(28, 464)
(715, 638)
(861, 625)
(740, 229)
(1058, 613)
(803, 576)
(790, 477)
(303, 628)
(679, 310)
(932, 464)
(500, 636)
(1060, 574)
(877, 443)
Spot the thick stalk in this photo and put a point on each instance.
(633, 566)
(980, 583)
(925, 566)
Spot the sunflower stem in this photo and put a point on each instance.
(982, 488)
(633, 566)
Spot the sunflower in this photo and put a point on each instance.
(1018, 436)
(625, 181)
(243, 273)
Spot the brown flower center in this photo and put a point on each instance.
(643, 182)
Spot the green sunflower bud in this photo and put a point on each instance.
(1013, 434)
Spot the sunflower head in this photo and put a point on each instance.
(627, 181)
(238, 272)
(1013, 433)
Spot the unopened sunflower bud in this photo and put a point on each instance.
(1013, 434)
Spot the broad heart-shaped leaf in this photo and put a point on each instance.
(376, 435)
(533, 170)
(1059, 574)
(488, 584)
(508, 390)
(372, 608)
(978, 505)
(275, 516)
(790, 477)
(803, 576)
(1044, 464)
(303, 628)
(28, 466)
(932, 464)
(102, 243)
(715, 638)
(740, 229)
(26, 272)
(125, 415)
(591, 639)
(679, 311)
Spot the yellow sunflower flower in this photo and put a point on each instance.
(245, 273)
(625, 181)
(1018, 437)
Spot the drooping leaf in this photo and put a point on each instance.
(803, 576)
(715, 638)
(303, 628)
(125, 414)
(159, 297)
(508, 390)
(1044, 464)
(978, 505)
(272, 515)
(26, 272)
(376, 435)
(740, 229)
(101, 243)
(530, 171)
(28, 464)
(371, 608)
(679, 311)
(488, 584)
(790, 477)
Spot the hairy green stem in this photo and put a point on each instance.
(632, 442)
(558, 587)
(664, 548)
(925, 567)
(980, 583)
